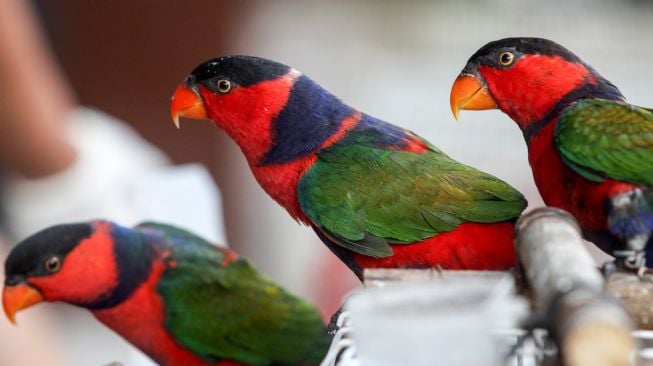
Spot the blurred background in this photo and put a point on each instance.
(67, 66)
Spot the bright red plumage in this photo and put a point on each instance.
(94, 254)
(561, 187)
(141, 320)
(531, 88)
(469, 246)
(246, 112)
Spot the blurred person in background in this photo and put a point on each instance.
(47, 148)
(62, 162)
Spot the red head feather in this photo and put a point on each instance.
(87, 272)
(530, 79)
(530, 88)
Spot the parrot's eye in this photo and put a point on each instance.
(52, 264)
(506, 58)
(224, 86)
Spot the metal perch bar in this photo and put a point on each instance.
(379, 277)
(589, 325)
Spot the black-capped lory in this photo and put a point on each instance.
(591, 152)
(178, 298)
(376, 194)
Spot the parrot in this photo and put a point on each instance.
(378, 195)
(590, 151)
(172, 294)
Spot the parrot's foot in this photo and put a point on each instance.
(342, 350)
(335, 322)
(626, 261)
(609, 268)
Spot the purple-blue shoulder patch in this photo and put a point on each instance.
(374, 131)
(310, 117)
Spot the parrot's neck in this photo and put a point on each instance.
(279, 121)
(562, 187)
(590, 88)
(141, 320)
(310, 118)
(134, 256)
(538, 87)
(280, 182)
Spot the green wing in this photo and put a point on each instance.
(365, 197)
(607, 139)
(232, 312)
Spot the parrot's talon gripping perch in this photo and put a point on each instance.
(339, 319)
(642, 272)
(626, 261)
(608, 268)
(342, 346)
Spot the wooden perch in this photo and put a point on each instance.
(589, 325)
(636, 293)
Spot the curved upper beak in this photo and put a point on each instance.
(19, 297)
(186, 102)
(468, 92)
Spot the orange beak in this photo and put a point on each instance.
(469, 93)
(186, 102)
(19, 297)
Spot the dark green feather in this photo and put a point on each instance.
(601, 139)
(365, 196)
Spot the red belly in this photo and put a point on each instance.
(562, 187)
(470, 246)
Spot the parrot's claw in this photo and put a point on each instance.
(535, 332)
(609, 268)
(336, 322)
(627, 261)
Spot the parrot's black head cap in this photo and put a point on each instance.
(241, 70)
(27, 258)
(519, 46)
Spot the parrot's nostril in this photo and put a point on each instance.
(13, 280)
